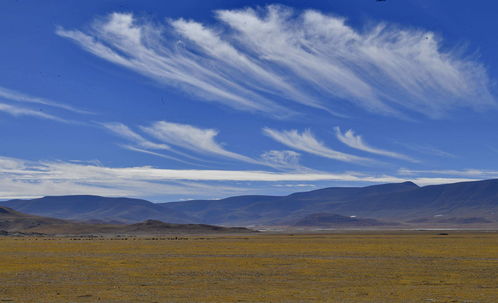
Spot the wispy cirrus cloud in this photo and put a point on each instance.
(15, 97)
(141, 144)
(307, 142)
(22, 111)
(474, 173)
(356, 141)
(263, 59)
(153, 153)
(428, 150)
(198, 140)
(122, 40)
(283, 159)
(124, 131)
(21, 97)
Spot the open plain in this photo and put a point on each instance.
(411, 266)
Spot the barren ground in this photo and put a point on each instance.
(342, 267)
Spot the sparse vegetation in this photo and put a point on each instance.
(343, 267)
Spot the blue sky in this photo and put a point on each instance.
(206, 99)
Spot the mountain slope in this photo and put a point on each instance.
(83, 208)
(398, 202)
(11, 220)
(478, 198)
(249, 210)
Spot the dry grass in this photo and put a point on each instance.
(369, 267)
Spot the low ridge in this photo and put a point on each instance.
(16, 223)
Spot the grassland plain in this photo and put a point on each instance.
(341, 267)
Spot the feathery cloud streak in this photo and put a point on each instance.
(22, 111)
(307, 142)
(283, 159)
(356, 141)
(475, 173)
(124, 131)
(141, 47)
(20, 97)
(255, 56)
(198, 140)
(142, 145)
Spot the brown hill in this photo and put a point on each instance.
(13, 222)
(154, 226)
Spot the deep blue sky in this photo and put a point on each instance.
(254, 111)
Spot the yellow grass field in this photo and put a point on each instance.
(342, 267)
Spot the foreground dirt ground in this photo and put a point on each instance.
(346, 267)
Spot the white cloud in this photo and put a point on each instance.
(29, 179)
(475, 173)
(141, 144)
(123, 40)
(239, 64)
(293, 185)
(259, 60)
(124, 131)
(307, 142)
(20, 178)
(20, 97)
(198, 140)
(22, 111)
(149, 152)
(428, 150)
(356, 141)
(285, 159)
(379, 69)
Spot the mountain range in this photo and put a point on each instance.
(464, 203)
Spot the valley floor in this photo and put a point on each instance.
(342, 267)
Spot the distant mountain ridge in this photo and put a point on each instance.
(461, 203)
(96, 208)
(270, 210)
